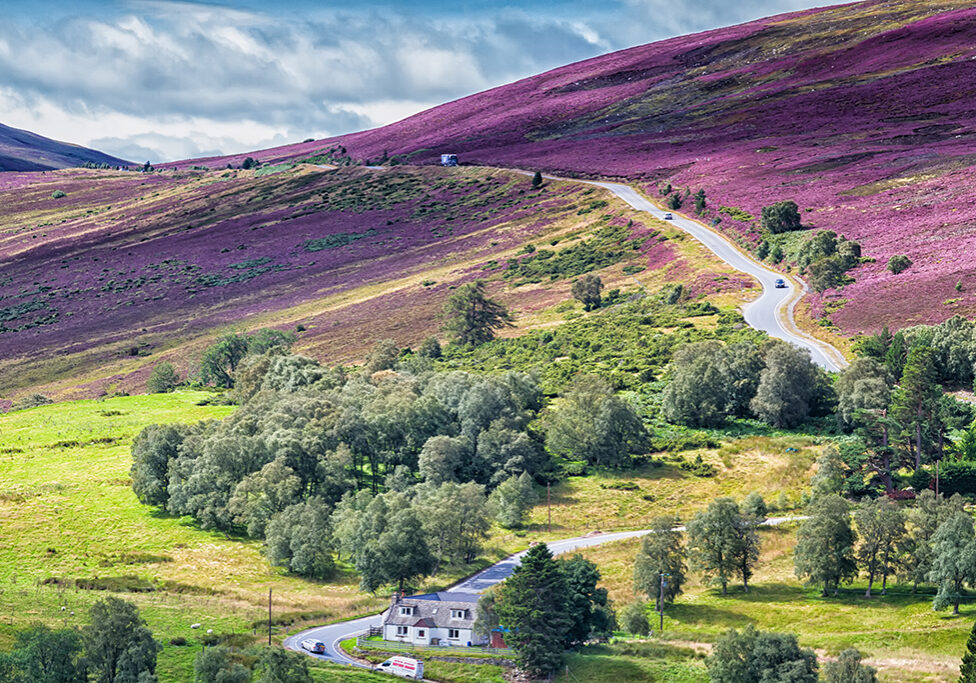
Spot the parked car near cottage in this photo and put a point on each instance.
(402, 666)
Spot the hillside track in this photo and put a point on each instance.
(772, 312)
(333, 634)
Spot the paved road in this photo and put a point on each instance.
(334, 634)
(773, 311)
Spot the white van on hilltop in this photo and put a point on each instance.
(402, 666)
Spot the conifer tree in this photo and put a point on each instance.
(472, 317)
(967, 672)
(531, 604)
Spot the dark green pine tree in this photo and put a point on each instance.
(967, 672)
(532, 605)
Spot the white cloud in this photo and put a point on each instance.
(178, 79)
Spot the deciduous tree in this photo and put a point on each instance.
(723, 543)
(825, 544)
(661, 552)
(119, 648)
(953, 560)
(787, 386)
(880, 528)
(594, 424)
(587, 290)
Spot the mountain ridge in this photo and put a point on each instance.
(24, 151)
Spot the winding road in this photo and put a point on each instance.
(773, 311)
(333, 634)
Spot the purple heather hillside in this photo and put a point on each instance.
(864, 114)
(102, 268)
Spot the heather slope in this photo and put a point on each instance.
(127, 269)
(21, 150)
(861, 113)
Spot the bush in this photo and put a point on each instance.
(58, 194)
(163, 379)
(957, 477)
(633, 618)
(32, 401)
(781, 217)
(899, 263)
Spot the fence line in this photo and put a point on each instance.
(363, 642)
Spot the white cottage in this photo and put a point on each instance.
(444, 618)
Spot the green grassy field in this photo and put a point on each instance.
(899, 633)
(67, 512)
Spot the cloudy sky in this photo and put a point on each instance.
(162, 80)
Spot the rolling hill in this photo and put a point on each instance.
(861, 113)
(105, 273)
(21, 150)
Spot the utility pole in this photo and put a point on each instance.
(269, 616)
(549, 506)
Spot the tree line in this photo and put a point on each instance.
(932, 543)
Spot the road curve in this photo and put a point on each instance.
(773, 311)
(333, 634)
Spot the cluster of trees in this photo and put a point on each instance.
(932, 542)
(224, 664)
(115, 647)
(421, 454)
(774, 381)
(547, 606)
(826, 258)
(760, 656)
(722, 545)
(893, 400)
(307, 436)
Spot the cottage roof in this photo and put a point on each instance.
(435, 609)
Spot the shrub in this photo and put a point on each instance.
(899, 263)
(781, 217)
(674, 201)
(32, 401)
(633, 618)
(58, 194)
(163, 379)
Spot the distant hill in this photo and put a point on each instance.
(21, 150)
(864, 114)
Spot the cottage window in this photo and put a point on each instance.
(457, 614)
(421, 633)
(401, 631)
(453, 634)
(406, 611)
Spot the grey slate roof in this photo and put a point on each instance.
(435, 610)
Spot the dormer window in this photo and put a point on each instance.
(406, 611)
(457, 614)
